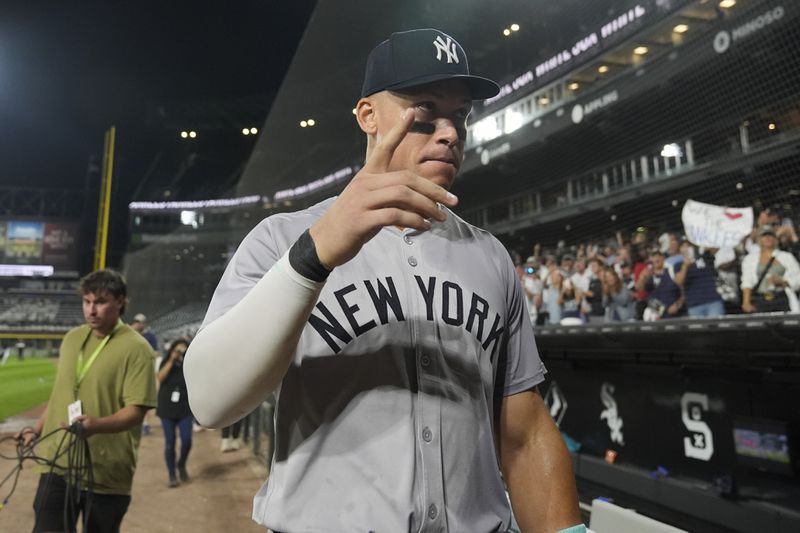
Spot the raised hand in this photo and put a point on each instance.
(376, 198)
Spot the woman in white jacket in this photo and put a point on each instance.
(767, 274)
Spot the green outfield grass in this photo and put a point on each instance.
(24, 384)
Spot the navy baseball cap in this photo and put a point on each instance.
(417, 57)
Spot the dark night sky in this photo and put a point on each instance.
(68, 70)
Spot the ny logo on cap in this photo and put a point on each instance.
(448, 47)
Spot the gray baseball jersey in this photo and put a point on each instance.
(384, 420)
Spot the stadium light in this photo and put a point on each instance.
(640, 50)
(671, 150)
(253, 131)
(513, 121)
(506, 32)
(602, 69)
(772, 126)
(681, 28)
(189, 218)
(485, 130)
(192, 134)
(311, 122)
(354, 110)
(184, 134)
(573, 86)
(515, 27)
(245, 131)
(303, 123)
(725, 4)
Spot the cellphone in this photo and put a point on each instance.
(530, 270)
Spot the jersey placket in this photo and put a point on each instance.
(428, 411)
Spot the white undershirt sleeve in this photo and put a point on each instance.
(237, 360)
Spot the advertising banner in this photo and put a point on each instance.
(2, 241)
(59, 247)
(24, 241)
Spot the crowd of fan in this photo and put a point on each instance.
(653, 277)
(16, 310)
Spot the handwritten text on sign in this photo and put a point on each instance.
(715, 226)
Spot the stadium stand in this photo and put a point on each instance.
(36, 305)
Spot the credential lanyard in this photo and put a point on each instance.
(82, 367)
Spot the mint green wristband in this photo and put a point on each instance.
(580, 528)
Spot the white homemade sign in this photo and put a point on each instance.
(715, 226)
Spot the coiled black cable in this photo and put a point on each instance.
(77, 470)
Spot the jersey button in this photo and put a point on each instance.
(425, 360)
(408, 239)
(412, 261)
(427, 435)
(433, 512)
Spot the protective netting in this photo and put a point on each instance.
(596, 155)
(698, 106)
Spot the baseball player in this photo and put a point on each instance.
(394, 333)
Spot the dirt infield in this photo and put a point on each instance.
(217, 498)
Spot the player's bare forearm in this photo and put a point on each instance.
(536, 466)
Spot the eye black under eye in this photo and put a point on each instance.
(425, 128)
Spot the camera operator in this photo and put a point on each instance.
(173, 409)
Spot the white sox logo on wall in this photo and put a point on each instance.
(610, 413)
(448, 47)
(556, 402)
(701, 443)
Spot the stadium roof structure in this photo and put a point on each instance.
(324, 79)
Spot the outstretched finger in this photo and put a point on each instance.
(382, 154)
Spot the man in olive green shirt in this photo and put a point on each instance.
(108, 367)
